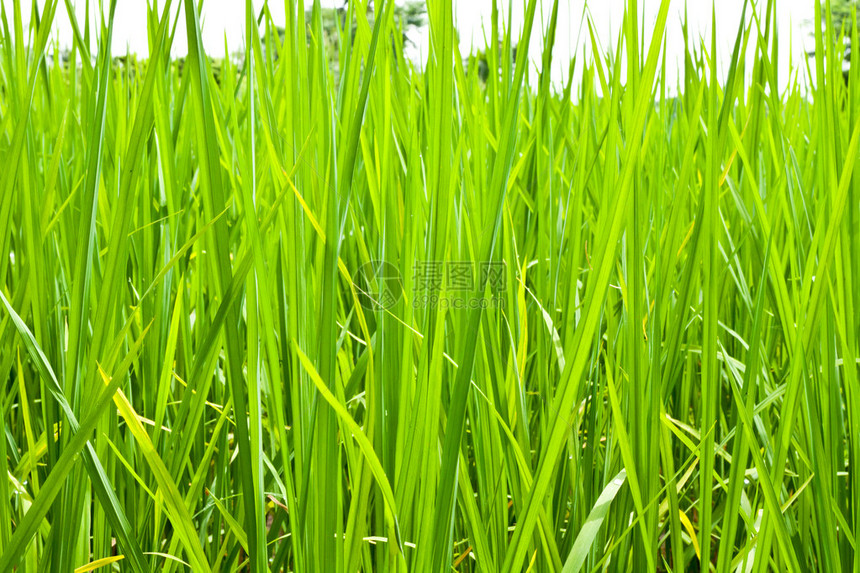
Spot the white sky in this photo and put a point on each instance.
(224, 19)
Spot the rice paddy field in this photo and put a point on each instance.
(256, 315)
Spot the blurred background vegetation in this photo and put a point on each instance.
(843, 14)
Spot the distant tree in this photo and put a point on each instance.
(842, 14)
(409, 17)
(480, 59)
(843, 11)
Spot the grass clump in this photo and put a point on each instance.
(426, 319)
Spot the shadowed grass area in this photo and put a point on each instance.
(456, 318)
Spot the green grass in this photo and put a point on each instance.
(662, 375)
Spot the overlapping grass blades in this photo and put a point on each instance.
(662, 374)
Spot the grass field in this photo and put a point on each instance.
(409, 319)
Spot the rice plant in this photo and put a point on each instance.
(261, 316)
